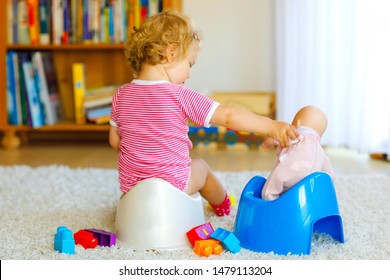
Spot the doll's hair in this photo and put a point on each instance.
(148, 43)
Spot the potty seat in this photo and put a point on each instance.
(285, 225)
(156, 215)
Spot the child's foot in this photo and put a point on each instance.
(223, 208)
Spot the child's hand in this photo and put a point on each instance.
(284, 132)
(269, 143)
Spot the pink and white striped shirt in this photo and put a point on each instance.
(152, 120)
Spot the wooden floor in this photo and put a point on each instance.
(235, 158)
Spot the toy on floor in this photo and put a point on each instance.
(63, 241)
(207, 247)
(104, 238)
(206, 232)
(201, 232)
(85, 239)
(285, 225)
(228, 239)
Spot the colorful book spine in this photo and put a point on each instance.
(43, 88)
(78, 71)
(44, 22)
(33, 21)
(11, 91)
(98, 112)
(52, 84)
(58, 21)
(15, 64)
(36, 114)
(86, 35)
(23, 23)
(153, 7)
(101, 120)
(67, 22)
(21, 58)
(137, 13)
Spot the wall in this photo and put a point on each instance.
(237, 47)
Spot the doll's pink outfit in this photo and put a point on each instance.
(303, 157)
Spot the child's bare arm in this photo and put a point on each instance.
(114, 138)
(238, 118)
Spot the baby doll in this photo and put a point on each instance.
(303, 157)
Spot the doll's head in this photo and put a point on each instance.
(311, 117)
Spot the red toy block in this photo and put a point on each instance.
(104, 238)
(201, 232)
(207, 247)
(85, 239)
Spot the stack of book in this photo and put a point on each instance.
(98, 103)
(32, 89)
(91, 105)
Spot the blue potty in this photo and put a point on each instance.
(285, 225)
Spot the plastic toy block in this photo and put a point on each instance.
(63, 241)
(201, 232)
(207, 247)
(104, 238)
(232, 200)
(229, 241)
(85, 239)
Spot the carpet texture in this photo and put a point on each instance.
(35, 201)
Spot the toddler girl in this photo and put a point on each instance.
(149, 118)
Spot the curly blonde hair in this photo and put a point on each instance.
(149, 42)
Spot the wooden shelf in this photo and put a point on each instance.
(60, 126)
(70, 47)
(105, 65)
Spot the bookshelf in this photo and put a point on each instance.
(105, 64)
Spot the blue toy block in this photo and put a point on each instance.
(64, 241)
(285, 225)
(228, 240)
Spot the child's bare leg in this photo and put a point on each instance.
(203, 179)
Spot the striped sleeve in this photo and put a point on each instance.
(198, 107)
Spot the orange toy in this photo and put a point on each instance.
(207, 247)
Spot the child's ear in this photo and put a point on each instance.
(171, 53)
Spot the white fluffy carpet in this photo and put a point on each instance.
(35, 201)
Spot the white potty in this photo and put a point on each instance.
(156, 215)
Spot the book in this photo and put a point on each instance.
(57, 12)
(15, 63)
(23, 23)
(10, 22)
(33, 20)
(153, 8)
(78, 73)
(94, 27)
(66, 32)
(12, 109)
(101, 120)
(21, 58)
(99, 96)
(49, 99)
(34, 105)
(98, 112)
(44, 22)
(52, 84)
